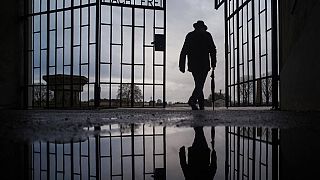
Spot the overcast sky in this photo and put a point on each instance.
(180, 17)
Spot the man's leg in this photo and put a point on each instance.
(194, 96)
(200, 79)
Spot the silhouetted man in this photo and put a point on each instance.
(199, 166)
(197, 47)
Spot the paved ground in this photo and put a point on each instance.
(46, 124)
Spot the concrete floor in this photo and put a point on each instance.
(29, 125)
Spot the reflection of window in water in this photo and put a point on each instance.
(251, 153)
(118, 152)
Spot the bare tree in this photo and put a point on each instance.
(124, 93)
(267, 89)
(40, 94)
(246, 89)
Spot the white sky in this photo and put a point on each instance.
(180, 17)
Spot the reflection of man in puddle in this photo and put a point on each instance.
(199, 166)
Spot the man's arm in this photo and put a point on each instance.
(183, 54)
(213, 52)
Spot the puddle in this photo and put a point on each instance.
(148, 151)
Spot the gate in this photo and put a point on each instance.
(251, 52)
(131, 151)
(95, 53)
(251, 153)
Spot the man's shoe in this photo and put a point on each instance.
(193, 106)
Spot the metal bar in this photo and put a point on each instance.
(164, 53)
(132, 152)
(234, 154)
(111, 60)
(48, 161)
(238, 9)
(243, 153)
(248, 155)
(260, 68)
(144, 151)
(275, 76)
(153, 60)
(88, 140)
(218, 3)
(226, 163)
(238, 55)
(72, 52)
(40, 63)
(226, 47)
(254, 153)
(97, 88)
(56, 52)
(72, 160)
(63, 56)
(267, 59)
(164, 150)
(132, 56)
(275, 154)
(88, 56)
(267, 153)
(144, 61)
(260, 153)
(121, 58)
(80, 56)
(98, 159)
(110, 142)
(243, 60)
(153, 149)
(121, 150)
(235, 89)
(132, 6)
(238, 149)
(253, 54)
(80, 157)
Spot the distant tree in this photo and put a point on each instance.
(40, 94)
(124, 93)
(246, 89)
(159, 101)
(267, 89)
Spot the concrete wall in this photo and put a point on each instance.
(11, 54)
(299, 55)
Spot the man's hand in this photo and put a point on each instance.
(182, 69)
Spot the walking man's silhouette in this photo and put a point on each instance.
(197, 47)
(201, 163)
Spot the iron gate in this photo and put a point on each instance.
(131, 151)
(95, 53)
(252, 153)
(251, 52)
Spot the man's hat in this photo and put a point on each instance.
(200, 25)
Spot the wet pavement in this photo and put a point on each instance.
(255, 143)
